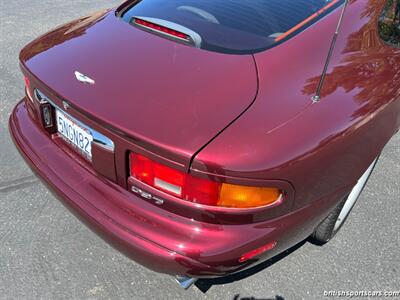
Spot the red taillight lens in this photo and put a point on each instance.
(168, 180)
(198, 190)
(27, 82)
(201, 191)
(142, 169)
(28, 88)
(157, 175)
(256, 252)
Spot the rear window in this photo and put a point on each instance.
(230, 26)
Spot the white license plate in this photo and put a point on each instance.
(75, 133)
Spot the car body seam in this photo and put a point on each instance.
(235, 119)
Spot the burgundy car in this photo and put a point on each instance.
(203, 137)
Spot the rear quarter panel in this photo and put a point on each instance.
(319, 148)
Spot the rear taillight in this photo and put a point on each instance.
(161, 29)
(256, 252)
(198, 190)
(28, 88)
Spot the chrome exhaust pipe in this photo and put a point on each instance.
(185, 282)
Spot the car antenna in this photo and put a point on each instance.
(317, 97)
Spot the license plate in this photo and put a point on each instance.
(75, 133)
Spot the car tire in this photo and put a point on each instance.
(328, 228)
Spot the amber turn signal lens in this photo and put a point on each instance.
(236, 196)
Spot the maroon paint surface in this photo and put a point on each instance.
(168, 101)
(170, 98)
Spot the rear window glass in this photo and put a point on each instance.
(233, 26)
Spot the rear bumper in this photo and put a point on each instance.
(153, 237)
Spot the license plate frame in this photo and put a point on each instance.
(78, 135)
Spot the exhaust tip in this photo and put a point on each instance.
(185, 282)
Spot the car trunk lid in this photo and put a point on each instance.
(167, 97)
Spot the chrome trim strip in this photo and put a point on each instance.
(195, 37)
(41, 98)
(103, 141)
(98, 138)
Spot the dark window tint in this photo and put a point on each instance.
(389, 23)
(234, 26)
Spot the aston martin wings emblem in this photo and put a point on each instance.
(83, 78)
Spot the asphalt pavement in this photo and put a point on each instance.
(46, 253)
